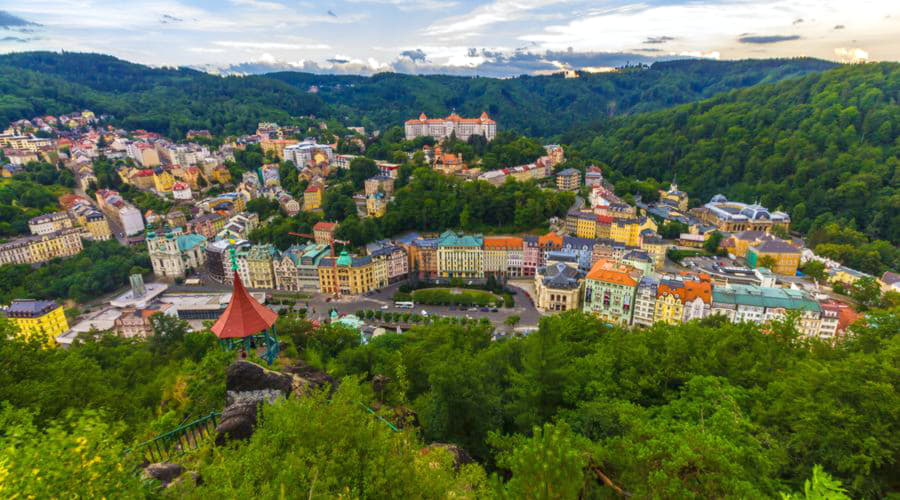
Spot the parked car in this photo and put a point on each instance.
(494, 310)
(384, 306)
(485, 309)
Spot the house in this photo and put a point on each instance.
(558, 287)
(785, 256)
(890, 282)
(324, 232)
(460, 256)
(568, 180)
(346, 275)
(609, 291)
(181, 191)
(43, 319)
(312, 198)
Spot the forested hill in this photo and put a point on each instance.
(166, 100)
(543, 105)
(823, 147)
(171, 101)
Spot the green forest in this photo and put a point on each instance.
(172, 101)
(577, 409)
(825, 148)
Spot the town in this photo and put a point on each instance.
(605, 256)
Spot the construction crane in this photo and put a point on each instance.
(337, 286)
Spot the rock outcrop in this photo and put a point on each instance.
(164, 472)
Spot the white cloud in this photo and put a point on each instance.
(258, 4)
(486, 15)
(271, 45)
(854, 55)
(205, 50)
(407, 5)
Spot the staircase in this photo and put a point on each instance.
(178, 441)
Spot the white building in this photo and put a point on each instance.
(173, 255)
(441, 128)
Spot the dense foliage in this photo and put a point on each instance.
(165, 100)
(434, 202)
(824, 148)
(172, 101)
(579, 409)
(22, 198)
(101, 268)
(540, 105)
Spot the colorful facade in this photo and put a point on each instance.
(609, 291)
(460, 256)
(41, 319)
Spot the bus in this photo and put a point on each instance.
(404, 305)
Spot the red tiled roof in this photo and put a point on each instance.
(244, 315)
(324, 226)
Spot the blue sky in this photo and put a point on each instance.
(497, 38)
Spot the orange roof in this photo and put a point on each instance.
(695, 289)
(502, 242)
(313, 189)
(599, 273)
(324, 226)
(244, 316)
(550, 239)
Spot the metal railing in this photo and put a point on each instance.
(179, 440)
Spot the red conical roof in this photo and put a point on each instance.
(244, 315)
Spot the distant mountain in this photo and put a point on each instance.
(542, 105)
(823, 147)
(173, 100)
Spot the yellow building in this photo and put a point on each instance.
(785, 256)
(460, 256)
(259, 266)
(221, 175)
(628, 231)
(586, 225)
(37, 318)
(376, 205)
(845, 276)
(312, 198)
(277, 146)
(348, 276)
(97, 225)
(656, 248)
(678, 198)
(163, 180)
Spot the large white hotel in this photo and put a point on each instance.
(441, 128)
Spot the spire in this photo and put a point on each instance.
(244, 316)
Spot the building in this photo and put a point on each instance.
(678, 301)
(259, 266)
(218, 264)
(460, 256)
(297, 268)
(442, 128)
(733, 216)
(531, 255)
(679, 199)
(557, 287)
(312, 198)
(785, 256)
(115, 207)
(890, 282)
(376, 205)
(761, 305)
(390, 264)
(135, 322)
(277, 146)
(287, 203)
(568, 180)
(423, 257)
(49, 223)
(379, 184)
(609, 291)
(497, 255)
(645, 301)
(593, 176)
(656, 248)
(40, 319)
(181, 191)
(346, 275)
(309, 152)
(37, 249)
(324, 232)
(173, 254)
(163, 181)
(207, 225)
(628, 231)
(143, 153)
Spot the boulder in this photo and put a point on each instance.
(305, 379)
(237, 422)
(244, 376)
(164, 472)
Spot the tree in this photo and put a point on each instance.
(768, 262)
(866, 292)
(512, 320)
(815, 270)
(360, 170)
(712, 243)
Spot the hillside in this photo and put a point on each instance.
(705, 409)
(171, 101)
(823, 147)
(542, 105)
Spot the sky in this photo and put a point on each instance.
(489, 38)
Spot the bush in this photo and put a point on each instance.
(444, 296)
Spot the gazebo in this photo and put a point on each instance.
(246, 322)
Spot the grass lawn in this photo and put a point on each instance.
(450, 296)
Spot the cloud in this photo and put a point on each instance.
(167, 19)
(839, 27)
(658, 39)
(337, 60)
(271, 45)
(407, 5)
(852, 55)
(258, 4)
(331, 13)
(768, 39)
(206, 50)
(415, 55)
(797, 21)
(498, 11)
(8, 20)
(15, 39)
